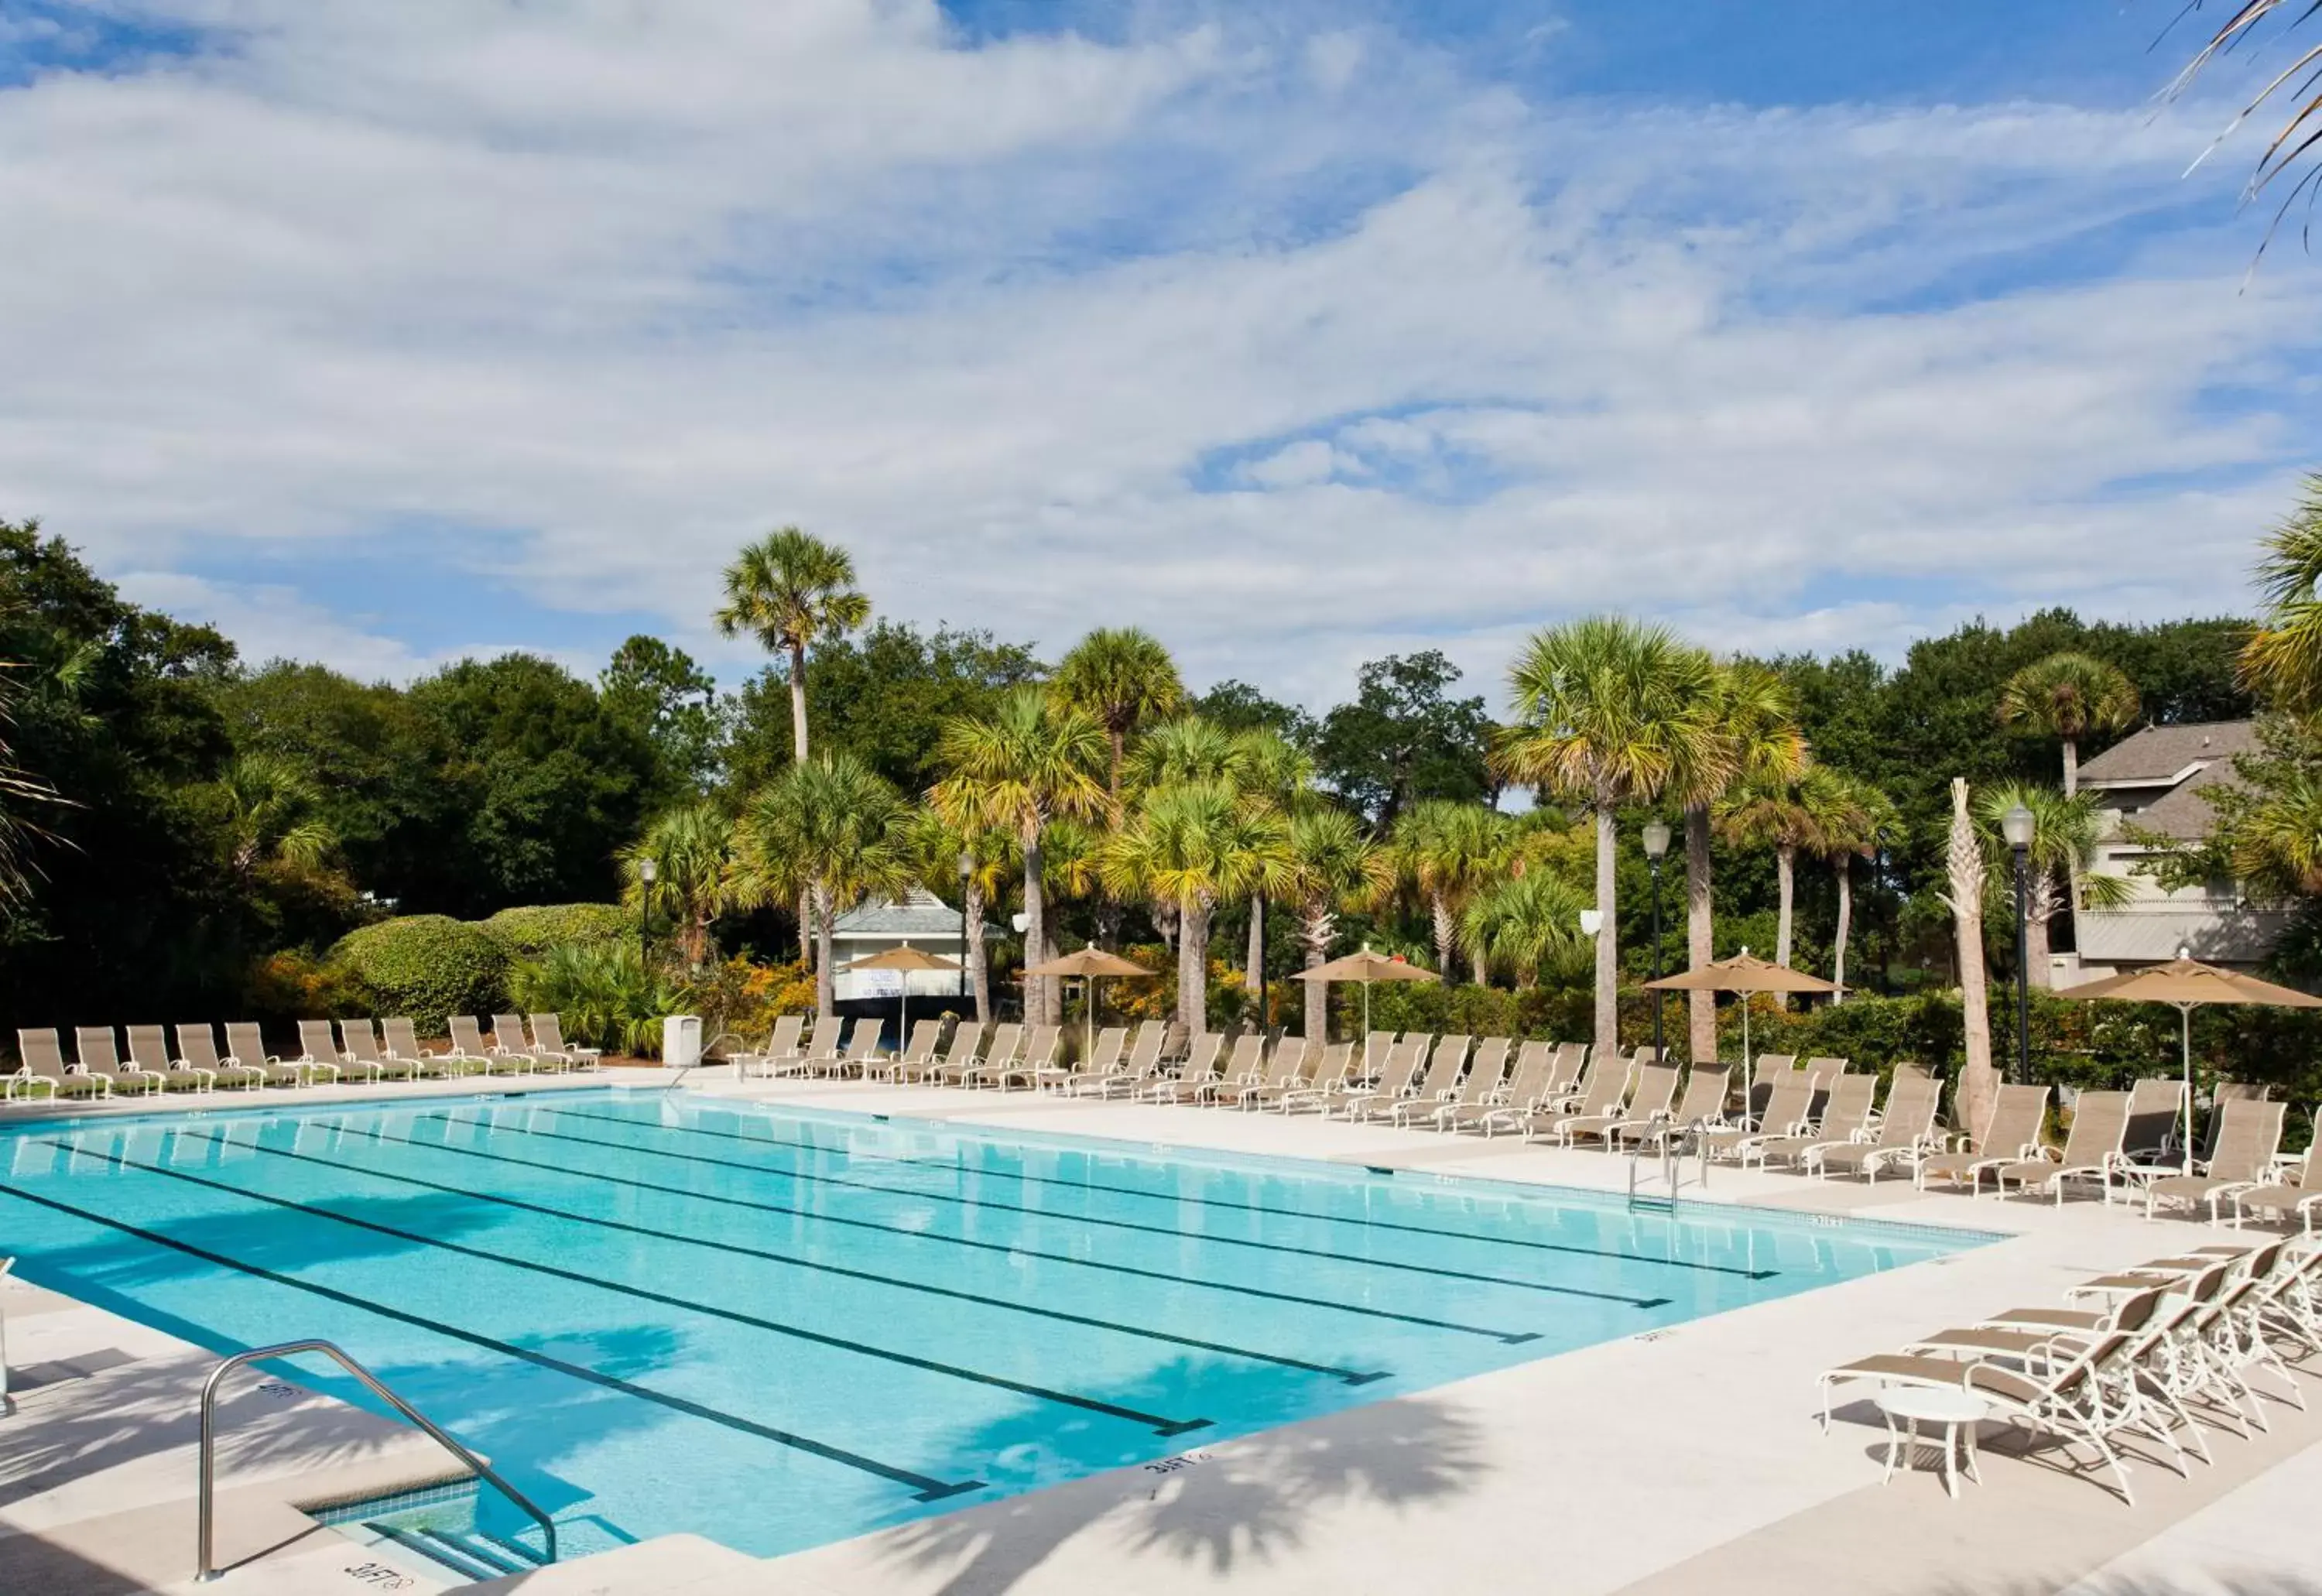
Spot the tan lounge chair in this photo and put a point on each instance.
(1197, 1077)
(999, 1056)
(959, 1056)
(197, 1051)
(1440, 1085)
(861, 1053)
(42, 1066)
(359, 1043)
(468, 1045)
(1648, 1106)
(918, 1052)
(820, 1047)
(1332, 1079)
(2011, 1131)
(548, 1042)
(1127, 1076)
(1770, 1070)
(2249, 1133)
(1293, 1059)
(2156, 1122)
(508, 1041)
(246, 1045)
(1603, 1089)
(1702, 1105)
(149, 1050)
(782, 1042)
(1403, 1063)
(1905, 1131)
(1520, 1087)
(318, 1049)
(94, 1047)
(1845, 1114)
(2091, 1150)
(1487, 1074)
(1784, 1114)
(403, 1044)
(2298, 1198)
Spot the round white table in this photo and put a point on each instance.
(1958, 1412)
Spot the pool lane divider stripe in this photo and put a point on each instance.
(1158, 1424)
(924, 1487)
(1175, 1235)
(1350, 1376)
(1005, 1249)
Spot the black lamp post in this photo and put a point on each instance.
(966, 870)
(648, 874)
(2017, 826)
(1657, 842)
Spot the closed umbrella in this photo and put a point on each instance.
(1745, 975)
(2187, 983)
(1089, 964)
(1368, 967)
(906, 959)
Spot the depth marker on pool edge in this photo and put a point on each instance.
(928, 1488)
(1159, 1424)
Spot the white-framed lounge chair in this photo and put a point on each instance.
(548, 1042)
(318, 1050)
(1845, 1116)
(1487, 1074)
(1604, 1088)
(823, 1044)
(1649, 1103)
(2010, 1132)
(1906, 1130)
(2156, 1124)
(149, 1050)
(1043, 1048)
(1770, 1070)
(1702, 1105)
(918, 1052)
(468, 1042)
(999, 1055)
(1295, 1063)
(1245, 1065)
(41, 1065)
(1126, 1076)
(2249, 1134)
(197, 1050)
(1103, 1064)
(861, 1053)
(1329, 1080)
(2298, 1198)
(782, 1042)
(402, 1041)
(1403, 1062)
(2091, 1150)
(245, 1045)
(958, 1057)
(1783, 1114)
(359, 1043)
(96, 1048)
(1438, 1086)
(508, 1041)
(1196, 1078)
(1520, 1088)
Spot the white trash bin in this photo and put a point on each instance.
(680, 1040)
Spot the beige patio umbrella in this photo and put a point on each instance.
(1368, 967)
(906, 959)
(1089, 964)
(1744, 975)
(2188, 983)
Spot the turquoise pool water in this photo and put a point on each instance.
(777, 1328)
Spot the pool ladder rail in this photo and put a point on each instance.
(204, 1550)
(1668, 1166)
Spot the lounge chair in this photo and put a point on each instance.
(782, 1042)
(1567, 1061)
(1906, 1130)
(1521, 1087)
(1487, 1073)
(318, 1049)
(43, 1065)
(246, 1045)
(2297, 1198)
(96, 1048)
(2220, 1094)
(2156, 1124)
(2091, 1150)
(1296, 1062)
(1603, 1090)
(1845, 1114)
(1332, 1079)
(468, 1042)
(821, 1046)
(1196, 1079)
(403, 1044)
(508, 1041)
(197, 1051)
(998, 1057)
(1245, 1066)
(1438, 1086)
(1127, 1076)
(1770, 1069)
(959, 1056)
(918, 1052)
(1647, 1104)
(2011, 1131)
(1783, 1115)
(1702, 1105)
(548, 1042)
(359, 1043)
(149, 1050)
(1403, 1062)
(2249, 1134)
(861, 1049)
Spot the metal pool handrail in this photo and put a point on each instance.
(434, 1432)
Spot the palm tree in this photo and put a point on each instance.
(1979, 1087)
(1269, 770)
(1121, 677)
(1791, 818)
(1197, 844)
(1858, 820)
(2294, 142)
(831, 827)
(691, 847)
(1612, 711)
(1758, 725)
(2067, 696)
(1521, 922)
(1452, 852)
(1333, 866)
(2283, 660)
(270, 816)
(2065, 832)
(20, 788)
(939, 848)
(1029, 761)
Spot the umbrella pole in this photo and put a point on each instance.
(2185, 1015)
(1366, 1030)
(1088, 1002)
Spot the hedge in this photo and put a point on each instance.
(425, 966)
(531, 931)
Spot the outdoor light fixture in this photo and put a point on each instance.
(2017, 826)
(648, 874)
(1657, 842)
(1592, 921)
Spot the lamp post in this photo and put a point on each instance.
(648, 874)
(2017, 826)
(966, 870)
(1657, 842)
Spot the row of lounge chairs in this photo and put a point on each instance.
(352, 1050)
(2156, 1352)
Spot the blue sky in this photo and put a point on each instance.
(1297, 332)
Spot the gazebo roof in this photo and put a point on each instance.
(919, 913)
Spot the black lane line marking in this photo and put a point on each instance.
(1159, 1424)
(1231, 1241)
(1351, 1376)
(1512, 1337)
(928, 1488)
(1254, 1207)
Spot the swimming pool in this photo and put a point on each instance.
(779, 1328)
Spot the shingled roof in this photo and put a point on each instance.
(2160, 756)
(919, 913)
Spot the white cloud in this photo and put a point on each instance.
(624, 285)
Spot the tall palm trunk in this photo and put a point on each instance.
(2043, 900)
(1844, 867)
(1700, 942)
(1165, 921)
(1036, 929)
(1254, 970)
(1785, 887)
(1318, 926)
(2071, 766)
(1193, 967)
(797, 757)
(2072, 786)
(979, 963)
(1979, 1087)
(826, 985)
(1608, 939)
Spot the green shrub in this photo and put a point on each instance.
(294, 985)
(425, 966)
(602, 994)
(531, 931)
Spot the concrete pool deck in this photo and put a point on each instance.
(1683, 1461)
